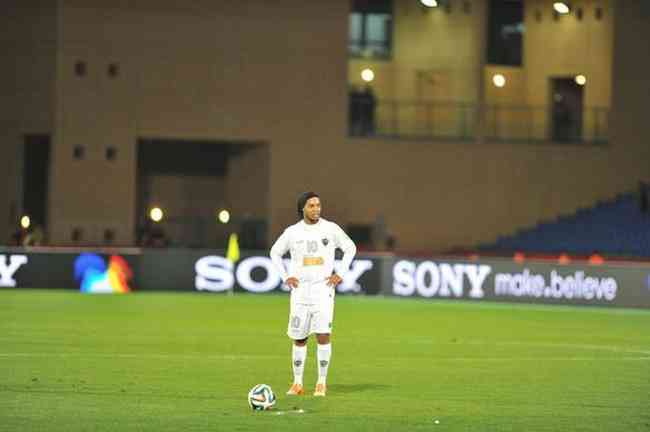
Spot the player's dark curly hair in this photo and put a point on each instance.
(302, 200)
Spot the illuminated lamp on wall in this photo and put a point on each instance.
(429, 3)
(499, 80)
(367, 75)
(581, 80)
(156, 214)
(25, 222)
(223, 216)
(562, 7)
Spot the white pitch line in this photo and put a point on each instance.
(570, 345)
(234, 357)
(146, 356)
(586, 347)
(298, 411)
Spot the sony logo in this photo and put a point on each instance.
(430, 279)
(216, 273)
(9, 265)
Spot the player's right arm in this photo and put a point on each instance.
(279, 248)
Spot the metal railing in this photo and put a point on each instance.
(390, 118)
(458, 120)
(536, 124)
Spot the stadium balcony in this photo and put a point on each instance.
(452, 120)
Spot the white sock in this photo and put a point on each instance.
(324, 354)
(299, 354)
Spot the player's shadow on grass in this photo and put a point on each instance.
(357, 388)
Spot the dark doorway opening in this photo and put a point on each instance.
(193, 182)
(36, 169)
(566, 109)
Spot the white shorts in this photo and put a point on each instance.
(308, 318)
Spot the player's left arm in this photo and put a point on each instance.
(345, 243)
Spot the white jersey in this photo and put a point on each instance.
(312, 256)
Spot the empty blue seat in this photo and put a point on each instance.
(615, 227)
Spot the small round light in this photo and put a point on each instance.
(367, 75)
(581, 80)
(156, 214)
(25, 222)
(224, 216)
(429, 3)
(561, 7)
(499, 80)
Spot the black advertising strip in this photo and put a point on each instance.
(209, 271)
(256, 273)
(163, 270)
(530, 282)
(67, 270)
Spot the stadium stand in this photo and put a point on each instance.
(618, 227)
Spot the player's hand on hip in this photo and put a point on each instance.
(292, 282)
(334, 280)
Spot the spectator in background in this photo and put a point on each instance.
(18, 236)
(361, 111)
(153, 235)
(368, 105)
(34, 237)
(562, 122)
(391, 243)
(354, 111)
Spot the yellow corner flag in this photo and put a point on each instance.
(233, 248)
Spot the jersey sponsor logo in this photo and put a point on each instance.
(313, 261)
(9, 265)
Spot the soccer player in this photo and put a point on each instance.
(311, 242)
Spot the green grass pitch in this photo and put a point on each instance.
(185, 362)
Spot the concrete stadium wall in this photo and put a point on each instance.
(569, 46)
(631, 92)
(27, 82)
(449, 44)
(444, 45)
(277, 73)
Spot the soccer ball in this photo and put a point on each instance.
(261, 397)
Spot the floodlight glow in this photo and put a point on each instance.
(367, 75)
(581, 80)
(499, 80)
(25, 222)
(429, 3)
(156, 214)
(561, 7)
(224, 216)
